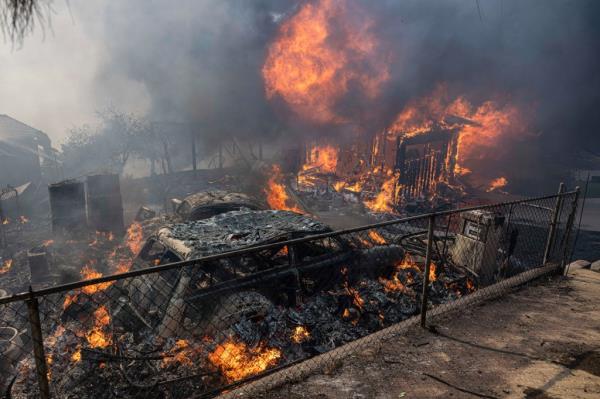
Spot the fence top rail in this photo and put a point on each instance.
(228, 254)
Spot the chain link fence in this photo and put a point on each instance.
(207, 326)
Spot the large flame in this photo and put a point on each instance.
(237, 361)
(384, 200)
(277, 196)
(481, 133)
(322, 52)
(324, 157)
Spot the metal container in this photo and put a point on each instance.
(67, 204)
(105, 204)
(38, 265)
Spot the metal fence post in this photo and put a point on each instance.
(38, 346)
(430, 229)
(555, 215)
(294, 290)
(570, 223)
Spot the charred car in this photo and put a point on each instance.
(211, 295)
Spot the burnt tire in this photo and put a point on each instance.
(249, 305)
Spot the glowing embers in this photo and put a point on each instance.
(406, 269)
(300, 334)
(5, 265)
(276, 192)
(98, 336)
(376, 237)
(182, 353)
(237, 361)
(76, 356)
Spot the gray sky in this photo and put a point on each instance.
(50, 81)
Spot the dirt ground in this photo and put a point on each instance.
(542, 341)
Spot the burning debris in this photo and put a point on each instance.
(430, 156)
(236, 361)
(277, 194)
(374, 281)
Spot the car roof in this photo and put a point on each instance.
(235, 230)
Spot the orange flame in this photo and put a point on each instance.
(497, 184)
(395, 284)
(180, 354)
(134, 238)
(355, 188)
(300, 334)
(339, 185)
(96, 336)
(236, 361)
(312, 68)
(432, 269)
(377, 238)
(323, 157)
(6, 265)
(406, 263)
(480, 135)
(470, 285)
(87, 273)
(76, 356)
(277, 196)
(385, 198)
(357, 300)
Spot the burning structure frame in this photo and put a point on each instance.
(280, 315)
